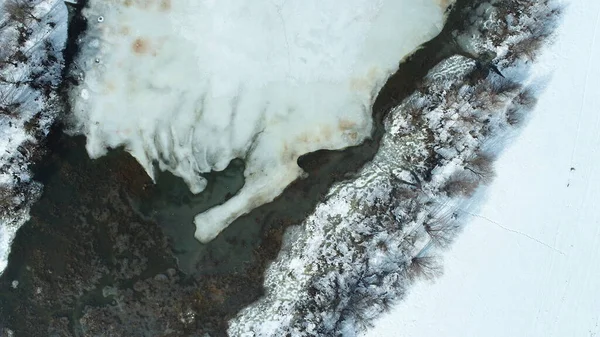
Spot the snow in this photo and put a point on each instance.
(23, 101)
(527, 263)
(191, 85)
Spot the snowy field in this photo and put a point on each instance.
(527, 264)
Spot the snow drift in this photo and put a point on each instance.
(187, 86)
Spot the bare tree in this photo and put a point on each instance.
(528, 47)
(9, 47)
(514, 115)
(11, 109)
(526, 98)
(6, 56)
(494, 92)
(460, 184)
(502, 85)
(424, 267)
(403, 191)
(481, 166)
(11, 104)
(442, 231)
(20, 11)
(522, 103)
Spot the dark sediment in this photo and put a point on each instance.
(108, 253)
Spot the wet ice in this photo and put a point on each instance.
(187, 86)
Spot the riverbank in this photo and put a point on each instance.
(526, 264)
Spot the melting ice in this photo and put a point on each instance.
(189, 85)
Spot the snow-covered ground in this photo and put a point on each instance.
(527, 263)
(31, 62)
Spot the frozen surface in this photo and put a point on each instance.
(527, 264)
(191, 85)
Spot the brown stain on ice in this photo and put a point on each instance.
(143, 46)
(165, 5)
(349, 129)
(365, 82)
(286, 152)
(125, 30)
(306, 140)
(140, 46)
(346, 125)
(303, 138)
(326, 132)
(109, 87)
(444, 3)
